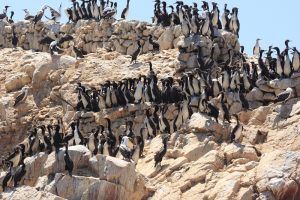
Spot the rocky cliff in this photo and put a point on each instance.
(200, 162)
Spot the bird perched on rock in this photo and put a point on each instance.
(136, 53)
(125, 11)
(28, 16)
(153, 43)
(69, 163)
(39, 15)
(288, 94)
(3, 15)
(22, 96)
(160, 154)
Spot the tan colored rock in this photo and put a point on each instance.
(16, 82)
(226, 188)
(26, 192)
(166, 39)
(55, 163)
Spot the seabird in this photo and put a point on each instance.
(296, 59)
(160, 154)
(19, 174)
(234, 25)
(224, 108)
(10, 20)
(7, 179)
(287, 70)
(136, 53)
(125, 11)
(256, 48)
(28, 16)
(288, 94)
(236, 133)
(126, 147)
(55, 15)
(93, 141)
(14, 39)
(69, 165)
(14, 158)
(57, 139)
(3, 15)
(154, 44)
(39, 15)
(22, 96)
(78, 53)
(225, 18)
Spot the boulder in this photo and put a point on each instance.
(166, 39)
(70, 187)
(115, 174)
(26, 192)
(55, 162)
(204, 124)
(278, 173)
(16, 82)
(235, 151)
(255, 95)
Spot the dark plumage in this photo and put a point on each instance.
(160, 154)
(69, 163)
(77, 52)
(7, 179)
(153, 43)
(20, 172)
(136, 53)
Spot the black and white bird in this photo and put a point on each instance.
(154, 44)
(28, 16)
(19, 174)
(236, 133)
(125, 11)
(288, 94)
(256, 48)
(69, 165)
(39, 15)
(7, 179)
(126, 147)
(55, 15)
(22, 96)
(77, 52)
(136, 53)
(3, 15)
(160, 154)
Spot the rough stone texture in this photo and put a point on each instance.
(200, 163)
(26, 192)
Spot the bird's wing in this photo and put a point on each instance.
(19, 98)
(65, 38)
(46, 40)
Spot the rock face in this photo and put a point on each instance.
(201, 162)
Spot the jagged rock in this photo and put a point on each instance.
(277, 172)
(227, 187)
(26, 192)
(234, 151)
(120, 172)
(55, 162)
(70, 187)
(203, 124)
(255, 95)
(34, 168)
(196, 151)
(166, 39)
